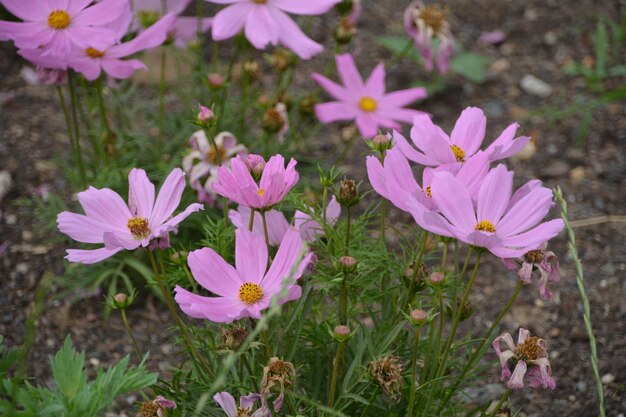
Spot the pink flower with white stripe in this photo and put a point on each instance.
(366, 103)
(109, 220)
(529, 358)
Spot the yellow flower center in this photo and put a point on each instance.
(368, 104)
(433, 16)
(428, 192)
(243, 412)
(485, 226)
(261, 192)
(59, 19)
(250, 293)
(259, 1)
(139, 228)
(529, 349)
(459, 153)
(94, 53)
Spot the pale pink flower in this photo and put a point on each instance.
(184, 29)
(91, 61)
(435, 147)
(365, 102)
(44, 76)
(542, 261)
(530, 355)
(248, 289)
(424, 24)
(266, 22)
(277, 224)
(246, 403)
(109, 220)
(58, 26)
(238, 182)
(505, 224)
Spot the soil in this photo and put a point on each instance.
(541, 36)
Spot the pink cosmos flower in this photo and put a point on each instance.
(545, 262)
(505, 224)
(58, 26)
(277, 225)
(248, 289)
(228, 404)
(424, 24)
(435, 148)
(365, 102)
(266, 22)
(530, 355)
(238, 184)
(91, 61)
(109, 220)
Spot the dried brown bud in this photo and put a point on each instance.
(348, 192)
(273, 121)
(234, 337)
(387, 373)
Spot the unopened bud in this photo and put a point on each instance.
(347, 264)
(436, 278)
(121, 301)
(282, 59)
(341, 333)
(256, 164)
(418, 317)
(381, 143)
(205, 117)
(345, 31)
(348, 192)
(215, 80)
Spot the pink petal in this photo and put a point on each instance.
(453, 201)
(169, 197)
(250, 256)
(260, 27)
(185, 30)
(106, 206)
(335, 90)
(349, 73)
(84, 37)
(473, 173)
(89, 257)
(410, 152)
(526, 213)
(121, 69)
(494, 195)
(227, 402)
(375, 85)
(402, 98)
(523, 191)
(76, 6)
(229, 21)
(150, 38)
(288, 254)
(100, 13)
(172, 223)
(367, 125)
(469, 130)
(304, 7)
(517, 379)
(140, 193)
(334, 111)
(81, 228)
(292, 37)
(28, 11)
(216, 309)
(214, 273)
(505, 146)
(88, 67)
(537, 235)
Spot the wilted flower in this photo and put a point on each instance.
(156, 407)
(228, 404)
(234, 337)
(109, 220)
(424, 24)
(276, 120)
(348, 194)
(277, 374)
(248, 289)
(265, 22)
(238, 184)
(365, 102)
(44, 76)
(435, 147)
(530, 355)
(542, 261)
(387, 373)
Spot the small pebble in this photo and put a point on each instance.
(535, 86)
(608, 378)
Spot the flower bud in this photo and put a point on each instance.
(348, 192)
(256, 165)
(418, 317)
(216, 81)
(346, 264)
(206, 117)
(282, 59)
(436, 278)
(345, 31)
(381, 143)
(121, 301)
(341, 333)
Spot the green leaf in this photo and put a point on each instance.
(67, 369)
(470, 65)
(399, 45)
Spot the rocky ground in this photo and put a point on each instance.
(541, 37)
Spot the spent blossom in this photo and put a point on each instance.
(541, 262)
(435, 147)
(366, 103)
(528, 358)
(109, 220)
(246, 403)
(246, 289)
(238, 182)
(266, 22)
(424, 23)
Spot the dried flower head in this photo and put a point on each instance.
(530, 355)
(157, 407)
(234, 337)
(387, 372)
(277, 374)
(541, 261)
(348, 194)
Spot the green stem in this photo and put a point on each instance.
(501, 402)
(335, 375)
(265, 231)
(251, 221)
(414, 372)
(445, 256)
(109, 140)
(244, 359)
(456, 256)
(130, 333)
(324, 204)
(77, 150)
(348, 221)
(416, 268)
(343, 300)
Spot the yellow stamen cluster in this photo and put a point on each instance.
(250, 293)
(259, 1)
(59, 19)
(243, 412)
(428, 192)
(434, 16)
(139, 228)
(368, 104)
(261, 192)
(530, 349)
(485, 226)
(94, 53)
(459, 153)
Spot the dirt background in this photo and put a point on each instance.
(541, 36)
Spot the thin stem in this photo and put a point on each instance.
(335, 375)
(244, 359)
(109, 140)
(266, 342)
(445, 256)
(265, 232)
(130, 333)
(456, 256)
(416, 268)
(343, 300)
(324, 204)
(414, 372)
(73, 104)
(348, 221)
(502, 400)
(251, 221)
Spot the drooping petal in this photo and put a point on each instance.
(517, 379)
(250, 256)
(229, 21)
(88, 257)
(469, 130)
(505, 145)
(172, 223)
(140, 193)
(537, 235)
(214, 273)
(293, 38)
(410, 152)
(122, 69)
